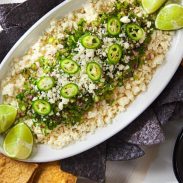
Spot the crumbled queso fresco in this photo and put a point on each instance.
(78, 64)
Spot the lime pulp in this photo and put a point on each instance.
(150, 6)
(18, 143)
(170, 17)
(7, 117)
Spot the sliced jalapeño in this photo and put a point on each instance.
(90, 41)
(45, 83)
(94, 71)
(114, 26)
(69, 90)
(69, 66)
(114, 53)
(41, 107)
(135, 32)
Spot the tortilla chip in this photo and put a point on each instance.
(5, 9)
(118, 150)
(151, 133)
(31, 180)
(8, 38)
(145, 130)
(164, 112)
(51, 173)
(178, 113)
(173, 92)
(90, 164)
(32, 10)
(12, 171)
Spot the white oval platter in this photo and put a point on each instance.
(43, 153)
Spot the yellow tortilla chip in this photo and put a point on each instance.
(12, 171)
(51, 173)
(31, 180)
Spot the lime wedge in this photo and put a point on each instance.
(170, 17)
(150, 6)
(18, 142)
(7, 117)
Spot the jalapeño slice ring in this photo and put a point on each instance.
(69, 90)
(41, 107)
(135, 32)
(94, 71)
(69, 66)
(114, 26)
(90, 41)
(45, 83)
(114, 54)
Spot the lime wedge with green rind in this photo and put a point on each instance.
(170, 17)
(150, 6)
(7, 117)
(18, 143)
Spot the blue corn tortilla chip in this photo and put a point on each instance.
(90, 164)
(5, 9)
(164, 112)
(118, 150)
(8, 38)
(145, 130)
(178, 113)
(174, 90)
(31, 10)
